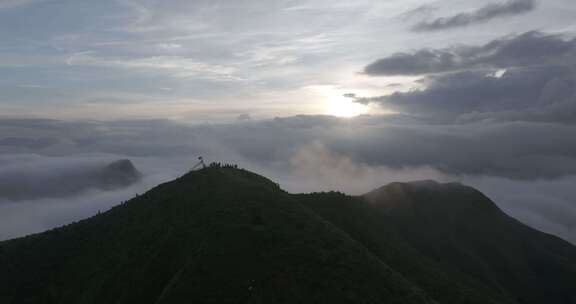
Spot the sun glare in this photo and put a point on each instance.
(344, 107)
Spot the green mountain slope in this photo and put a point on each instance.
(218, 235)
(224, 235)
(377, 233)
(462, 229)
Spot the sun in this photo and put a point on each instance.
(344, 107)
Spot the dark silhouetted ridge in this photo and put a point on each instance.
(227, 235)
(432, 198)
(461, 228)
(217, 235)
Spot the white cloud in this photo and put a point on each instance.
(176, 66)
(5, 4)
(308, 153)
(313, 167)
(169, 46)
(547, 205)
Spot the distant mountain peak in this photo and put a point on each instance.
(124, 165)
(426, 184)
(69, 180)
(427, 194)
(118, 174)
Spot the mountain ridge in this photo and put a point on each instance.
(461, 227)
(226, 235)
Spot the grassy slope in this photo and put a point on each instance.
(461, 228)
(212, 236)
(223, 235)
(371, 227)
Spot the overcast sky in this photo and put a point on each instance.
(202, 60)
(317, 94)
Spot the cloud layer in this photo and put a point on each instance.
(525, 50)
(529, 77)
(213, 61)
(483, 14)
(28, 177)
(304, 153)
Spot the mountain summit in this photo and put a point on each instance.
(226, 235)
(459, 226)
(118, 174)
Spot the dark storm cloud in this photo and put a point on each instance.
(546, 93)
(486, 13)
(531, 77)
(528, 49)
(420, 62)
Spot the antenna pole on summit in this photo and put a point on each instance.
(200, 163)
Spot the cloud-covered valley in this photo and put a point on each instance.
(483, 14)
(302, 153)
